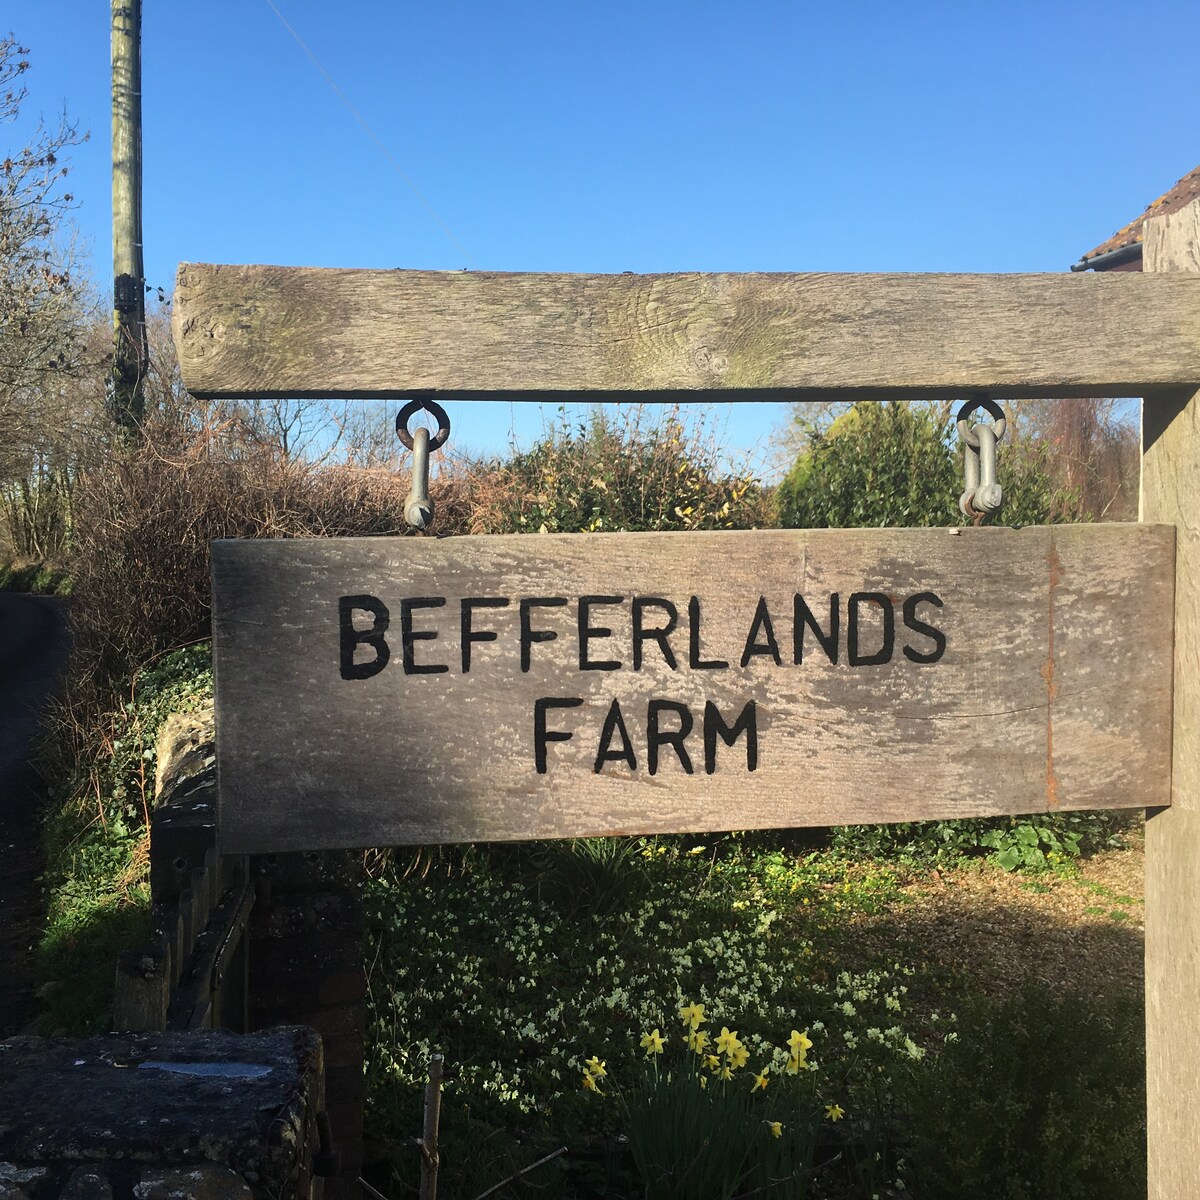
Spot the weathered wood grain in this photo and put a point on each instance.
(1170, 487)
(259, 331)
(1053, 690)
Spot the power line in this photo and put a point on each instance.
(373, 136)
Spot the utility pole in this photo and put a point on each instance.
(130, 352)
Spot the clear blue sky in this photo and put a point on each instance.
(648, 136)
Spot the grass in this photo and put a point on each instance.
(97, 844)
(1061, 1115)
(41, 578)
(1108, 894)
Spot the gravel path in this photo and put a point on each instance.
(992, 929)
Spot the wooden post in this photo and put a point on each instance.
(307, 961)
(143, 989)
(1170, 472)
(130, 353)
(430, 1155)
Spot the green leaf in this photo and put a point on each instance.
(1009, 859)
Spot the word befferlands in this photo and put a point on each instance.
(650, 633)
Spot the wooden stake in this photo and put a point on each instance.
(1170, 471)
(429, 1140)
(130, 353)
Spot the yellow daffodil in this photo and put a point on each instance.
(760, 1081)
(728, 1039)
(653, 1042)
(776, 1128)
(726, 1074)
(697, 1040)
(595, 1068)
(704, 1081)
(712, 1062)
(589, 1083)
(738, 1056)
(692, 1015)
(835, 1112)
(799, 1043)
(794, 1063)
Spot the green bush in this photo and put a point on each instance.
(877, 465)
(623, 473)
(1041, 1097)
(1036, 842)
(886, 464)
(591, 876)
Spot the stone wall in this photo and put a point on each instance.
(162, 1116)
(250, 943)
(303, 956)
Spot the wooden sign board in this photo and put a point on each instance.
(391, 691)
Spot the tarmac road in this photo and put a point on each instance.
(33, 651)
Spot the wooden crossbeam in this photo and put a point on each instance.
(261, 331)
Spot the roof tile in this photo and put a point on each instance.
(1182, 194)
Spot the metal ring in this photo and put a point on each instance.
(993, 410)
(435, 410)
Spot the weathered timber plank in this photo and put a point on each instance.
(1170, 480)
(143, 989)
(1052, 689)
(259, 331)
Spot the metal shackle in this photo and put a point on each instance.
(418, 507)
(982, 494)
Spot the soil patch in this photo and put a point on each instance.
(989, 929)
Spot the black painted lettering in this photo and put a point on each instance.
(935, 635)
(803, 619)
(694, 659)
(529, 635)
(714, 727)
(657, 737)
(409, 635)
(614, 723)
(468, 634)
(588, 632)
(884, 653)
(761, 627)
(373, 637)
(541, 735)
(658, 634)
